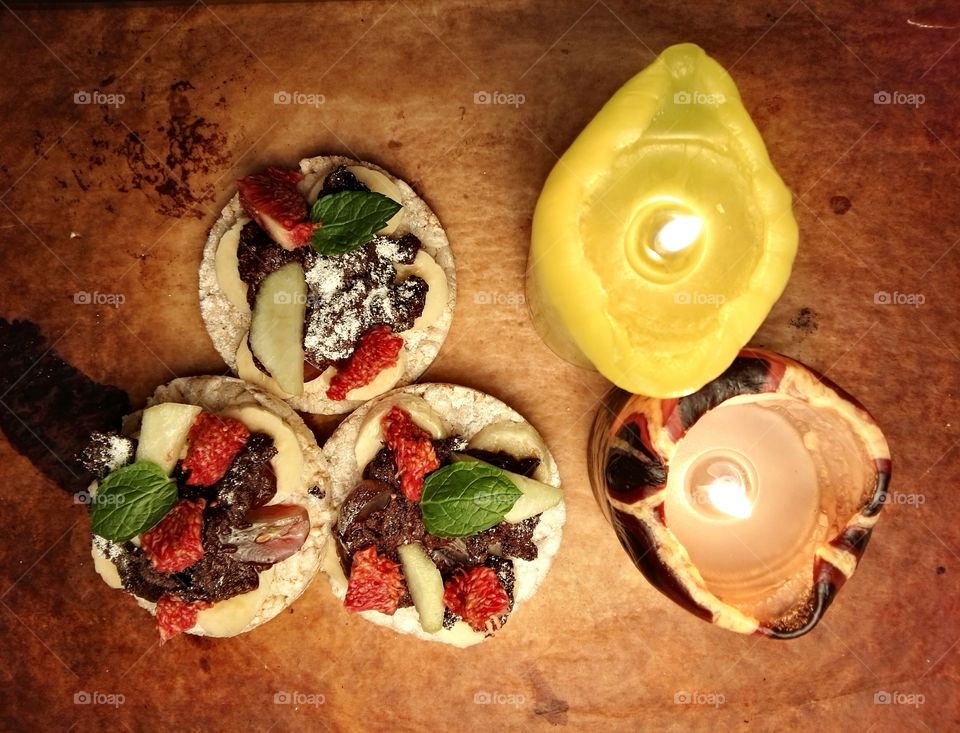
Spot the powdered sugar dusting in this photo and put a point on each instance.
(342, 309)
(228, 325)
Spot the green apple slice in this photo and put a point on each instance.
(425, 585)
(536, 496)
(276, 326)
(163, 433)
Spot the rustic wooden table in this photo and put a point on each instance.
(123, 130)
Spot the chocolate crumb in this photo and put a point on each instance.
(805, 321)
(840, 204)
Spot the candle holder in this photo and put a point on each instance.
(748, 502)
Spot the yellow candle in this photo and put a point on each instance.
(664, 235)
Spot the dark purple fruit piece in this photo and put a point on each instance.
(275, 532)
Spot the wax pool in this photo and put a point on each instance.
(762, 527)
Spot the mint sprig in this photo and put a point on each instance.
(466, 497)
(349, 220)
(131, 500)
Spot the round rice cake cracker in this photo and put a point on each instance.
(228, 323)
(462, 411)
(299, 466)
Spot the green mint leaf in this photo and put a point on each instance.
(350, 219)
(466, 497)
(131, 500)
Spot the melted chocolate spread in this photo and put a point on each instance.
(247, 484)
(358, 289)
(377, 513)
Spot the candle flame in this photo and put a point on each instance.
(678, 234)
(729, 495)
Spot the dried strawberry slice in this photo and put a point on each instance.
(273, 199)
(175, 543)
(476, 596)
(376, 583)
(412, 449)
(212, 444)
(175, 616)
(378, 350)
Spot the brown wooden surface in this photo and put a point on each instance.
(118, 201)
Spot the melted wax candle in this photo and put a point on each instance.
(664, 235)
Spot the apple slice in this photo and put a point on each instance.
(536, 496)
(519, 439)
(425, 585)
(163, 433)
(379, 183)
(248, 371)
(276, 326)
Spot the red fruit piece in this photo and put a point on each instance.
(175, 616)
(412, 450)
(476, 596)
(273, 199)
(376, 583)
(378, 350)
(175, 543)
(212, 444)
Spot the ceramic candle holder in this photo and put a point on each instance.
(811, 469)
